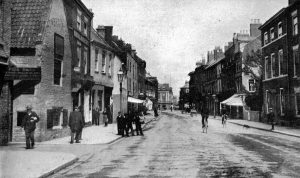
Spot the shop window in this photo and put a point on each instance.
(296, 61)
(100, 100)
(282, 101)
(20, 116)
(297, 103)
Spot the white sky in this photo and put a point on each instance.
(171, 35)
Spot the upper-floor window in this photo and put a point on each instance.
(267, 68)
(296, 61)
(96, 60)
(272, 34)
(279, 29)
(282, 63)
(85, 59)
(79, 21)
(266, 39)
(58, 59)
(110, 65)
(295, 22)
(85, 26)
(275, 66)
(78, 54)
(251, 85)
(103, 61)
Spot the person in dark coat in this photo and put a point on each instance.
(105, 117)
(138, 124)
(130, 121)
(80, 108)
(120, 120)
(204, 114)
(271, 118)
(126, 124)
(76, 124)
(95, 116)
(29, 124)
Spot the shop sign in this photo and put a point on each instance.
(14, 73)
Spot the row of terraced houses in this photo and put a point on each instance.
(255, 72)
(52, 58)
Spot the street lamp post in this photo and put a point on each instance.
(120, 79)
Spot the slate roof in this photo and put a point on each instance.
(27, 22)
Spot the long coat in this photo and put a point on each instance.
(29, 121)
(76, 121)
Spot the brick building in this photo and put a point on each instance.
(79, 22)
(102, 69)
(5, 85)
(151, 87)
(40, 41)
(280, 53)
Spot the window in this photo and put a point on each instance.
(58, 58)
(295, 23)
(275, 65)
(296, 61)
(297, 103)
(100, 102)
(282, 101)
(279, 29)
(79, 13)
(96, 60)
(85, 58)
(57, 71)
(272, 34)
(109, 65)
(267, 100)
(266, 40)
(267, 68)
(20, 116)
(85, 26)
(78, 55)
(251, 85)
(282, 66)
(103, 61)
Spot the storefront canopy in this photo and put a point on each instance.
(134, 100)
(234, 100)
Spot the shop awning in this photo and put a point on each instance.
(234, 100)
(134, 100)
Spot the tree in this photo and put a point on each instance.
(253, 66)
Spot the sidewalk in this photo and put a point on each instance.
(266, 127)
(30, 163)
(16, 162)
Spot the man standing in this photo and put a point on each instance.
(95, 116)
(271, 118)
(138, 124)
(120, 121)
(76, 124)
(29, 124)
(204, 114)
(130, 121)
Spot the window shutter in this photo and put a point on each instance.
(49, 119)
(65, 118)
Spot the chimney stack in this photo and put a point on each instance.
(108, 33)
(254, 25)
(101, 30)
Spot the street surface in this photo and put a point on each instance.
(174, 146)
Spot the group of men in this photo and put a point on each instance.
(125, 123)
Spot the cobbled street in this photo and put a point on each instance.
(174, 146)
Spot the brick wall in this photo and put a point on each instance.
(47, 95)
